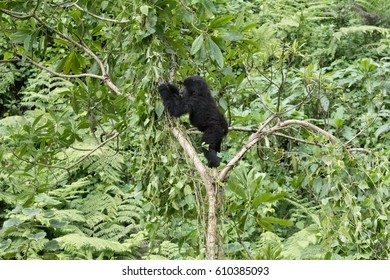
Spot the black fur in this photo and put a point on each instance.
(196, 100)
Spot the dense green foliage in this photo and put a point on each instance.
(90, 173)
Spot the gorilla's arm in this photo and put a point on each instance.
(172, 100)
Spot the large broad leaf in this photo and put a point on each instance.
(267, 197)
(36, 236)
(31, 211)
(69, 62)
(144, 10)
(221, 21)
(20, 36)
(237, 189)
(215, 52)
(12, 222)
(338, 117)
(278, 221)
(382, 129)
(197, 44)
(324, 103)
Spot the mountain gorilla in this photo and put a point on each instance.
(196, 100)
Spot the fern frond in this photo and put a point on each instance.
(7, 77)
(345, 31)
(303, 245)
(75, 189)
(110, 231)
(270, 246)
(106, 163)
(74, 242)
(377, 11)
(168, 249)
(348, 31)
(310, 10)
(45, 91)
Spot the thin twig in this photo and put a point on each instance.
(98, 17)
(92, 151)
(253, 87)
(260, 134)
(369, 124)
(63, 75)
(105, 77)
(36, 163)
(253, 139)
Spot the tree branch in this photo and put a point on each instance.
(92, 151)
(190, 151)
(105, 77)
(260, 134)
(98, 17)
(210, 188)
(253, 139)
(60, 74)
(310, 126)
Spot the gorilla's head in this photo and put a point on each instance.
(195, 85)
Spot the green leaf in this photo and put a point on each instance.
(237, 190)
(260, 199)
(249, 26)
(232, 36)
(4, 244)
(68, 63)
(12, 222)
(56, 223)
(21, 36)
(348, 132)
(215, 52)
(37, 236)
(278, 221)
(80, 242)
(62, 90)
(382, 129)
(8, 55)
(197, 44)
(339, 117)
(36, 121)
(267, 197)
(265, 224)
(60, 65)
(221, 21)
(31, 211)
(105, 4)
(52, 245)
(144, 10)
(324, 103)
(78, 60)
(222, 102)
(159, 109)
(46, 199)
(316, 219)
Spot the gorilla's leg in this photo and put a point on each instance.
(213, 137)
